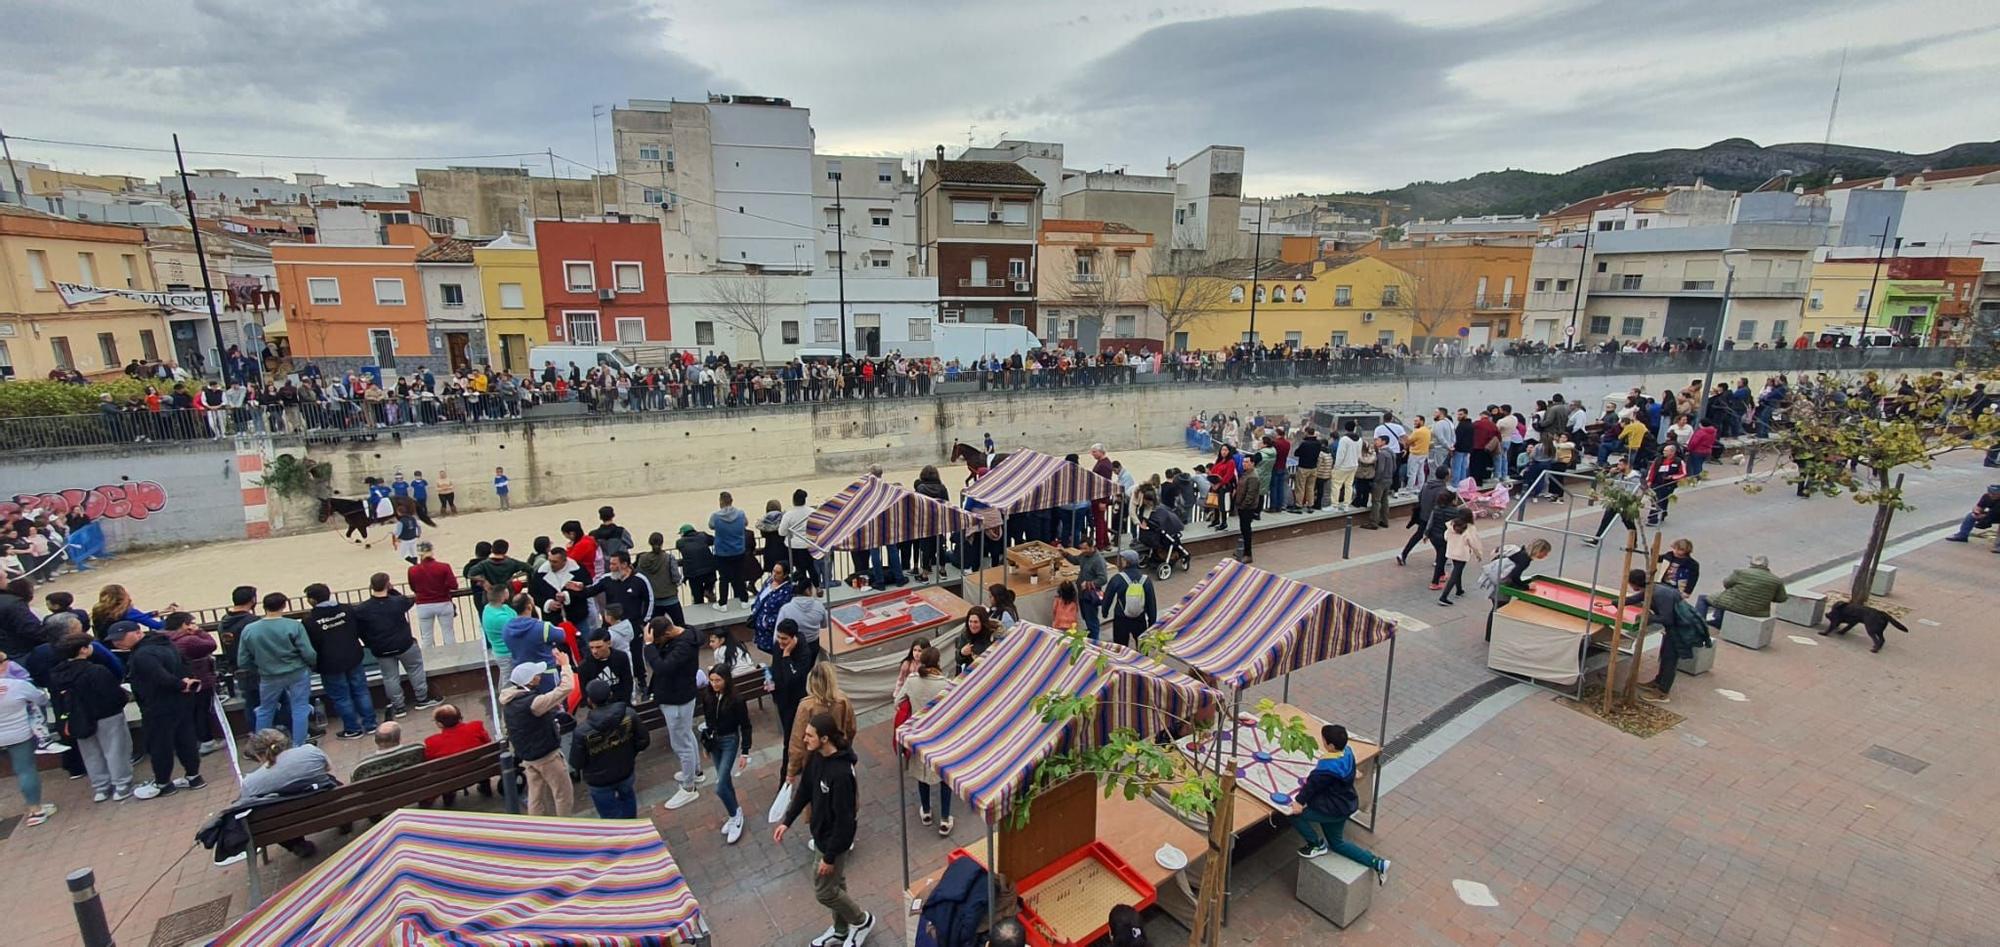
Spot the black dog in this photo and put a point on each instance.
(1845, 615)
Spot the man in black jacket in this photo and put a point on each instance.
(331, 631)
(605, 750)
(621, 585)
(383, 625)
(608, 664)
(20, 630)
(92, 704)
(672, 654)
(830, 789)
(153, 667)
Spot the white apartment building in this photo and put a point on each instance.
(1043, 159)
(721, 312)
(227, 187)
(1208, 190)
(730, 180)
(878, 198)
(1558, 275)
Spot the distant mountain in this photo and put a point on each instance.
(1733, 163)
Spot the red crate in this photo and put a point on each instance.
(1065, 927)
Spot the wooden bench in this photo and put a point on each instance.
(653, 717)
(366, 799)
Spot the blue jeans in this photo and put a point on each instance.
(1088, 602)
(1532, 477)
(1278, 496)
(885, 567)
(1605, 443)
(1764, 420)
(1310, 825)
(1460, 461)
(1695, 463)
(944, 798)
(616, 801)
(22, 756)
(1500, 463)
(348, 692)
(296, 690)
(724, 757)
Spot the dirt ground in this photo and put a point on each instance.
(201, 576)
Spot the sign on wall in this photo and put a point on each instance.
(76, 294)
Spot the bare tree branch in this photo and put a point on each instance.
(1187, 287)
(1434, 289)
(745, 305)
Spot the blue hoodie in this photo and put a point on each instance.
(731, 530)
(1329, 788)
(529, 639)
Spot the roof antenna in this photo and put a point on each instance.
(1833, 110)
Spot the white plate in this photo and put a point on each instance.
(1171, 858)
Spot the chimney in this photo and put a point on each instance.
(940, 154)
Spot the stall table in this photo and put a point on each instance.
(1544, 643)
(1134, 828)
(863, 623)
(1034, 597)
(1259, 780)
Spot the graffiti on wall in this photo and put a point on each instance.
(136, 499)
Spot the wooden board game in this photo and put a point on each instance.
(886, 616)
(1267, 776)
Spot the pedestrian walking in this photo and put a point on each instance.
(726, 736)
(831, 791)
(1461, 545)
(672, 654)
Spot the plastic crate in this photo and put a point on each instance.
(1093, 880)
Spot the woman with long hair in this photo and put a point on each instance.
(114, 605)
(922, 690)
(728, 742)
(979, 629)
(823, 696)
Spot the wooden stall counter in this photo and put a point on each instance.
(1258, 779)
(892, 615)
(1134, 828)
(1034, 597)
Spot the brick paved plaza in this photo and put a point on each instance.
(1753, 822)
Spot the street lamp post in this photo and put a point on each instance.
(1730, 258)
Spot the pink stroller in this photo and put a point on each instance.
(1488, 504)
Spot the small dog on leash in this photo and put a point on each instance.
(1845, 615)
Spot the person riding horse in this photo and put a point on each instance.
(358, 516)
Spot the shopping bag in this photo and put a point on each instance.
(779, 804)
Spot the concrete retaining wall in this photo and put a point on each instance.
(153, 494)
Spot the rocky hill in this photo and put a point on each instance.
(1734, 163)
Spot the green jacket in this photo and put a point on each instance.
(496, 572)
(1750, 591)
(275, 647)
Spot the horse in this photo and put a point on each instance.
(975, 460)
(358, 517)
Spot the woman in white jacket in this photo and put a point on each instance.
(1461, 545)
(923, 689)
(19, 699)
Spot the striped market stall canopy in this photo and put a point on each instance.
(985, 737)
(1241, 626)
(869, 513)
(1027, 481)
(434, 877)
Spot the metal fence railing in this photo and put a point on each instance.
(338, 418)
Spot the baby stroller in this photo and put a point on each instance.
(1488, 504)
(1160, 536)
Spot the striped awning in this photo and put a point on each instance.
(985, 737)
(870, 513)
(433, 877)
(1027, 481)
(1241, 626)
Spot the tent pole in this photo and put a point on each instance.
(1381, 754)
(992, 868)
(1288, 687)
(1229, 831)
(903, 814)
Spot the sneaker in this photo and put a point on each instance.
(192, 782)
(944, 827)
(1313, 851)
(120, 795)
(154, 790)
(859, 935)
(923, 815)
(210, 747)
(701, 778)
(52, 748)
(352, 734)
(429, 702)
(732, 829)
(1401, 561)
(1957, 539)
(41, 815)
(831, 937)
(682, 798)
(1437, 585)
(1654, 697)
(1382, 873)
(102, 795)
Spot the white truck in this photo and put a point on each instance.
(968, 342)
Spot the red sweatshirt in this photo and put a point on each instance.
(432, 582)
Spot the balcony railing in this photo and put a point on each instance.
(982, 284)
(1497, 301)
(1616, 284)
(1086, 277)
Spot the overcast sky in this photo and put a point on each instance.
(1373, 93)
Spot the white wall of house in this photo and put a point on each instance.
(903, 310)
(763, 165)
(703, 323)
(873, 248)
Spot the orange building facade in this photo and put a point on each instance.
(1470, 292)
(347, 306)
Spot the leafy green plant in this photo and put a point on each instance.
(292, 476)
(40, 399)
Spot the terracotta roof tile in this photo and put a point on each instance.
(449, 250)
(984, 172)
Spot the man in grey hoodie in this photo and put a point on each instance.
(732, 552)
(806, 608)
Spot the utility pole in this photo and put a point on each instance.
(1880, 245)
(201, 257)
(555, 183)
(1256, 267)
(840, 258)
(20, 194)
(1576, 304)
(597, 156)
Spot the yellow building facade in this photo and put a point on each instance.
(510, 276)
(38, 333)
(1837, 295)
(1343, 301)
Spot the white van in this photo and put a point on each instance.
(966, 342)
(1878, 336)
(584, 357)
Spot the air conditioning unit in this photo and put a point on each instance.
(1367, 317)
(607, 295)
(952, 315)
(1023, 286)
(992, 216)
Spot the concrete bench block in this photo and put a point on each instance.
(1337, 888)
(1752, 633)
(1802, 608)
(1700, 663)
(1885, 580)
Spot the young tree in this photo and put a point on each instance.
(1860, 438)
(1100, 295)
(1186, 288)
(744, 304)
(1434, 289)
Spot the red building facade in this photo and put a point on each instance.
(603, 282)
